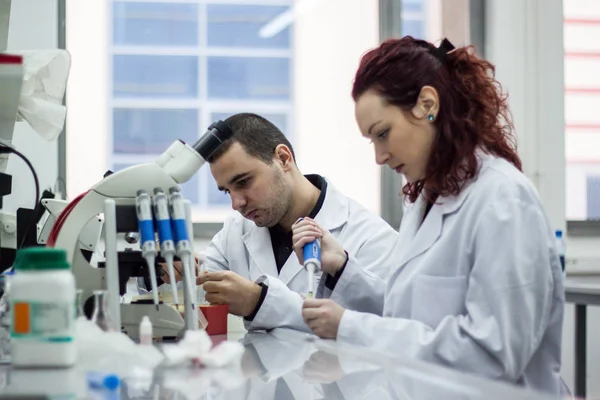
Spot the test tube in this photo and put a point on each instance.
(165, 236)
(182, 242)
(143, 206)
(312, 262)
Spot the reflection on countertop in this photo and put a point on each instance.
(281, 364)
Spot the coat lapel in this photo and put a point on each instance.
(258, 243)
(421, 234)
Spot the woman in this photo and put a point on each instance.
(476, 281)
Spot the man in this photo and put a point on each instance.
(251, 263)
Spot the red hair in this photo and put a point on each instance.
(473, 111)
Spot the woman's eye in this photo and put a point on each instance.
(383, 134)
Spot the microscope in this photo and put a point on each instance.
(175, 166)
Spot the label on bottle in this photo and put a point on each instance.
(42, 321)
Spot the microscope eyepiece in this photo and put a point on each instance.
(217, 133)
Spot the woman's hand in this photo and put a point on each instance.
(323, 317)
(333, 256)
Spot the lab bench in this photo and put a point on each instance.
(281, 364)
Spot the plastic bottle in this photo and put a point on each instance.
(42, 304)
(5, 318)
(562, 249)
(145, 331)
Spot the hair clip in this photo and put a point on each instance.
(442, 50)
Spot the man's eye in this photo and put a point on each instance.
(242, 182)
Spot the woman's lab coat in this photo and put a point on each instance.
(246, 249)
(476, 286)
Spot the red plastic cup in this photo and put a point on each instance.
(216, 315)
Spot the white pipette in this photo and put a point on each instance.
(165, 236)
(182, 242)
(143, 207)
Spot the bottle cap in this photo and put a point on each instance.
(41, 259)
(559, 234)
(98, 380)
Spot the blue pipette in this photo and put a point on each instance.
(143, 207)
(165, 236)
(312, 262)
(182, 241)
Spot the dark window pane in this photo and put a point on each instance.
(155, 24)
(239, 25)
(248, 78)
(189, 190)
(279, 120)
(155, 76)
(151, 131)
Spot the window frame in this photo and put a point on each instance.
(580, 228)
(202, 104)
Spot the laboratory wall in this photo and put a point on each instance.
(33, 25)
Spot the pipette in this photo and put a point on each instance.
(182, 241)
(312, 262)
(165, 236)
(143, 207)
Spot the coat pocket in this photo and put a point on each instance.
(435, 297)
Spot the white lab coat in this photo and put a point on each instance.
(477, 286)
(246, 249)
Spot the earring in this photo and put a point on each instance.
(430, 117)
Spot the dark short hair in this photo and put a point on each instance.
(257, 135)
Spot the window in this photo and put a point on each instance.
(146, 73)
(582, 101)
(413, 19)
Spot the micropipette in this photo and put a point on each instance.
(165, 236)
(143, 207)
(312, 262)
(182, 242)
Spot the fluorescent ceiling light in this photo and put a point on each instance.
(286, 18)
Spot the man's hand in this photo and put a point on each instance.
(323, 317)
(178, 268)
(333, 256)
(227, 287)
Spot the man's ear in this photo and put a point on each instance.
(284, 156)
(427, 104)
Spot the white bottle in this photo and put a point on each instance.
(562, 249)
(145, 331)
(42, 304)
